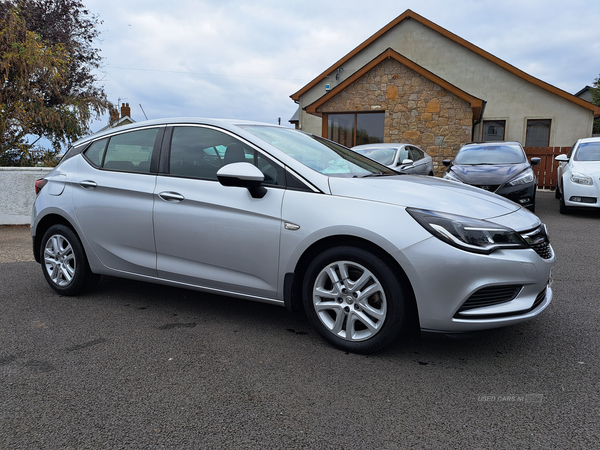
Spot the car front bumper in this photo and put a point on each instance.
(523, 195)
(460, 291)
(580, 195)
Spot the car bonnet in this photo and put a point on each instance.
(433, 194)
(488, 174)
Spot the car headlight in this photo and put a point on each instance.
(466, 233)
(524, 178)
(580, 178)
(450, 176)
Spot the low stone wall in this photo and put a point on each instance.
(17, 193)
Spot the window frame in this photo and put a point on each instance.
(154, 158)
(487, 121)
(538, 119)
(325, 125)
(165, 154)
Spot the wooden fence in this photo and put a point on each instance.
(546, 170)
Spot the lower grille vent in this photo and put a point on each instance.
(489, 296)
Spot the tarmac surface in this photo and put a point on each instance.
(133, 365)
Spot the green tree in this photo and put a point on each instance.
(48, 89)
(595, 90)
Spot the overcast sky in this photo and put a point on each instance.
(243, 59)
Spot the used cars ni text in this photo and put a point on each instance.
(276, 215)
(404, 158)
(578, 176)
(499, 167)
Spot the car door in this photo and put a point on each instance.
(211, 235)
(113, 199)
(402, 154)
(419, 161)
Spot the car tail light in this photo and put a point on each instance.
(39, 184)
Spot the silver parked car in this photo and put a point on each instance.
(275, 215)
(404, 158)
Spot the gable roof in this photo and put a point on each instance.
(125, 120)
(476, 103)
(408, 14)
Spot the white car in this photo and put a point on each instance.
(403, 158)
(578, 179)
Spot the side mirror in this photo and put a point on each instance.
(561, 158)
(243, 174)
(405, 163)
(447, 162)
(535, 161)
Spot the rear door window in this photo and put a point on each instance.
(416, 154)
(131, 152)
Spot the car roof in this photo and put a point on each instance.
(590, 139)
(493, 143)
(380, 145)
(170, 121)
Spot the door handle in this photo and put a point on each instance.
(171, 196)
(88, 184)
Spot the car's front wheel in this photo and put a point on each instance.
(354, 300)
(563, 208)
(64, 263)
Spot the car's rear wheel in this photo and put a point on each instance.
(354, 300)
(64, 263)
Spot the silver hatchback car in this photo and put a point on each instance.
(275, 215)
(405, 158)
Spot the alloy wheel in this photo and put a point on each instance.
(349, 300)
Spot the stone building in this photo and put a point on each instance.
(415, 82)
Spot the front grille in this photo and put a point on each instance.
(491, 188)
(492, 295)
(538, 241)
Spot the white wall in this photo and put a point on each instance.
(17, 193)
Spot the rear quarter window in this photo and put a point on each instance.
(95, 152)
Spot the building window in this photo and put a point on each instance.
(355, 129)
(538, 133)
(493, 130)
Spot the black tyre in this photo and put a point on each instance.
(64, 263)
(354, 300)
(556, 192)
(563, 209)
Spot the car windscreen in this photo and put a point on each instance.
(319, 154)
(384, 156)
(490, 154)
(588, 151)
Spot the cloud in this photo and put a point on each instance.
(244, 59)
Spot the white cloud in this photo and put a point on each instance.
(245, 58)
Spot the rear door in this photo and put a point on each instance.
(113, 199)
(210, 235)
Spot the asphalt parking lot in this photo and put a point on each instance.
(133, 365)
